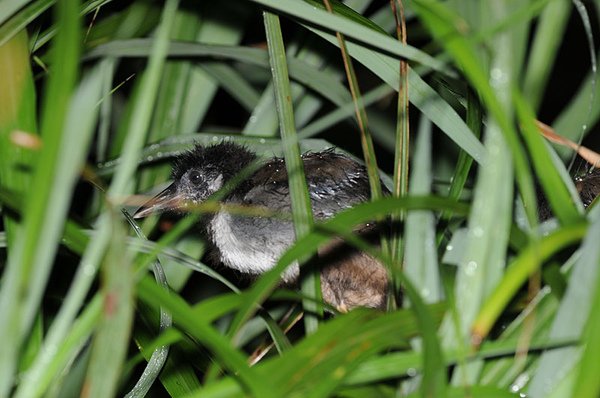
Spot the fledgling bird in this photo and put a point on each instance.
(253, 244)
(588, 186)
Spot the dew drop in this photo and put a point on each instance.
(89, 269)
(471, 267)
(498, 77)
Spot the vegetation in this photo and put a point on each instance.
(96, 98)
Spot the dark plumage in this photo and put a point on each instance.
(588, 186)
(253, 245)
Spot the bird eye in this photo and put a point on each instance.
(195, 177)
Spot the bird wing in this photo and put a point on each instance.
(335, 182)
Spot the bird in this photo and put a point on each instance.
(588, 186)
(252, 245)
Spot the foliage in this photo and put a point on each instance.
(97, 97)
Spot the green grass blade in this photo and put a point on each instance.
(202, 88)
(342, 112)
(17, 114)
(77, 135)
(234, 83)
(420, 257)
(344, 221)
(422, 96)
(20, 20)
(8, 8)
(356, 30)
(551, 26)
(443, 22)
(31, 261)
(574, 310)
(200, 329)
(587, 384)
(111, 340)
(299, 70)
(120, 185)
(519, 270)
(474, 119)
(301, 207)
(558, 196)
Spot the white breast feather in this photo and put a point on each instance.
(240, 254)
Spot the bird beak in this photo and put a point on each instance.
(164, 201)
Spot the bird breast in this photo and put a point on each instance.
(252, 245)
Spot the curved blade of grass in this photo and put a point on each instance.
(341, 345)
(443, 23)
(8, 8)
(307, 74)
(20, 20)
(31, 260)
(587, 384)
(359, 214)
(301, 207)
(361, 31)
(111, 340)
(574, 310)
(434, 382)
(197, 327)
(179, 258)
(29, 13)
(399, 364)
(170, 147)
(519, 270)
(86, 8)
(425, 98)
(120, 185)
(434, 373)
(77, 134)
(484, 256)
(159, 356)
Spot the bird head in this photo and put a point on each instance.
(198, 174)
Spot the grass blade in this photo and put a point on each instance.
(301, 208)
(111, 341)
(572, 314)
(31, 261)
